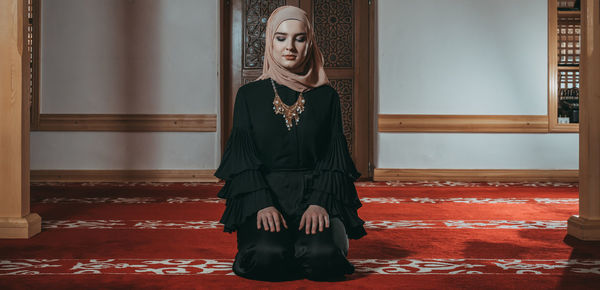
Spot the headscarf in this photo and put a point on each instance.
(313, 74)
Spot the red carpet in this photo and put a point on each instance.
(420, 236)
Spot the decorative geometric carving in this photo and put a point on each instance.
(344, 89)
(333, 22)
(257, 14)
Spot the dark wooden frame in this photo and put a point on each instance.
(35, 97)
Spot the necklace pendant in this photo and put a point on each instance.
(288, 112)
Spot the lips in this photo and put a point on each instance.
(289, 57)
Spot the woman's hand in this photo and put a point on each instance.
(270, 219)
(314, 217)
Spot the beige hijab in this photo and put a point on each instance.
(313, 75)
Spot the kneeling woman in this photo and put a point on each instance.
(289, 176)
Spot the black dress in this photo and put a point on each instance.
(265, 164)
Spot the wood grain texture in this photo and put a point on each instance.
(128, 123)
(463, 123)
(14, 117)
(589, 135)
(20, 227)
(15, 219)
(475, 175)
(123, 176)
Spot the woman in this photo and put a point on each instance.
(288, 174)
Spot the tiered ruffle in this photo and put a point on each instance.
(245, 188)
(334, 190)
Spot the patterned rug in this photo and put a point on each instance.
(421, 235)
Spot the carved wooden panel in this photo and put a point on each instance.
(334, 22)
(344, 89)
(340, 38)
(257, 13)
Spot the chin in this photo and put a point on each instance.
(290, 67)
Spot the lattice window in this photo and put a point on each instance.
(568, 85)
(569, 37)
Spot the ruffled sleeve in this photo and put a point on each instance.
(334, 176)
(245, 188)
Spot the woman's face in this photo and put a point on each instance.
(290, 45)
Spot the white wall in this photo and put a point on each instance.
(161, 57)
(479, 57)
(478, 151)
(123, 150)
(128, 57)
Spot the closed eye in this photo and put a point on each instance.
(279, 36)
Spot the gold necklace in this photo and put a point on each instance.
(288, 112)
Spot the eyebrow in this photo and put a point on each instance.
(283, 33)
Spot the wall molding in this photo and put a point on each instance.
(128, 122)
(200, 175)
(380, 174)
(389, 123)
(476, 175)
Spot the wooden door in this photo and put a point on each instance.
(342, 33)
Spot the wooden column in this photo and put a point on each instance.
(586, 225)
(15, 219)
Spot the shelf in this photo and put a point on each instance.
(568, 67)
(569, 13)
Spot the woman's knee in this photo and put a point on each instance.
(326, 261)
(322, 253)
(263, 262)
(271, 255)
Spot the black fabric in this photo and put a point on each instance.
(260, 143)
(290, 190)
(291, 254)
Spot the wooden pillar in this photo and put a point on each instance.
(586, 225)
(15, 219)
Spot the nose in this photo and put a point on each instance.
(289, 44)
